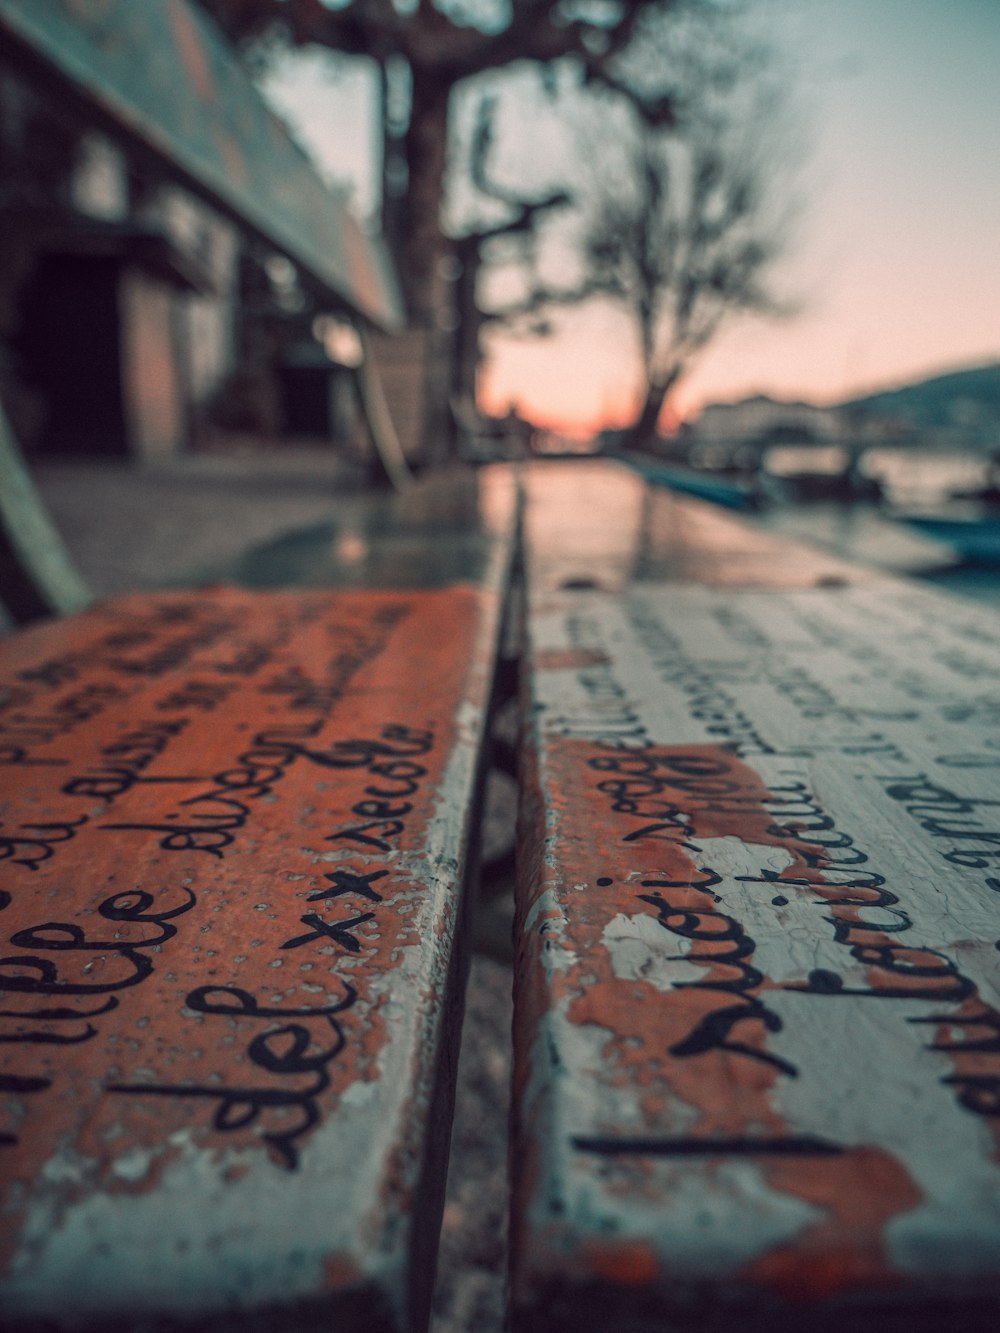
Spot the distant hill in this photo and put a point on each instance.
(963, 399)
(959, 410)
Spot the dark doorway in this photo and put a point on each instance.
(69, 348)
(305, 393)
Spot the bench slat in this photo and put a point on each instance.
(758, 1026)
(235, 827)
(36, 574)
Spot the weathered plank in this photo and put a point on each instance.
(37, 576)
(758, 1028)
(235, 828)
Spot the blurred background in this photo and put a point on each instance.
(750, 242)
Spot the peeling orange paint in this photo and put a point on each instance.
(860, 1191)
(232, 155)
(342, 1271)
(970, 1040)
(167, 892)
(192, 51)
(598, 876)
(729, 1092)
(627, 1263)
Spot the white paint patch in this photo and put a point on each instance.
(641, 950)
(707, 1226)
(135, 1165)
(784, 920)
(895, 1099)
(703, 1226)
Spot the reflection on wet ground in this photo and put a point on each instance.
(304, 518)
(269, 522)
(612, 529)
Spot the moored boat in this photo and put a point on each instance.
(971, 529)
(732, 490)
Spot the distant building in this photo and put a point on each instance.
(953, 411)
(765, 421)
(117, 290)
(135, 318)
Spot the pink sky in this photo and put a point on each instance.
(897, 266)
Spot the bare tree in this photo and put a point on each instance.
(520, 215)
(678, 250)
(423, 51)
(682, 226)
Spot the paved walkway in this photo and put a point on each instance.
(192, 518)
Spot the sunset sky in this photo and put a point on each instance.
(896, 269)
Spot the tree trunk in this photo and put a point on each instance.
(394, 172)
(469, 319)
(644, 432)
(421, 253)
(422, 245)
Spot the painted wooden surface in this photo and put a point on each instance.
(758, 1035)
(235, 828)
(37, 576)
(159, 73)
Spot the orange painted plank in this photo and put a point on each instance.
(235, 828)
(757, 1025)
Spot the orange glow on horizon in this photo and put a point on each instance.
(890, 273)
(548, 411)
(554, 406)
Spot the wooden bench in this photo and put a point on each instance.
(757, 1024)
(235, 835)
(237, 828)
